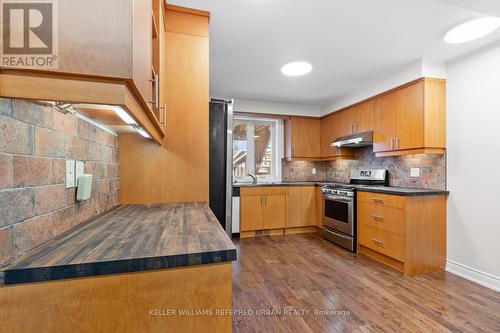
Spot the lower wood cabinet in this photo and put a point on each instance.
(300, 206)
(278, 210)
(262, 208)
(407, 233)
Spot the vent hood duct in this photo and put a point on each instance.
(355, 140)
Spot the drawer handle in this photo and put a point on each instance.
(378, 242)
(377, 200)
(377, 218)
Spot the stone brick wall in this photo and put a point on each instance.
(301, 171)
(35, 206)
(432, 169)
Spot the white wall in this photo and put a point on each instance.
(253, 106)
(473, 140)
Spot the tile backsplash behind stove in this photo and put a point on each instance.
(432, 169)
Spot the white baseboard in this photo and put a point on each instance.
(474, 275)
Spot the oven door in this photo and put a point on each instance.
(339, 214)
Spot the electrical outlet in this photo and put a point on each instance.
(415, 173)
(78, 171)
(70, 173)
(313, 171)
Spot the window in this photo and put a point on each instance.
(257, 149)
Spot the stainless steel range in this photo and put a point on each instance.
(339, 206)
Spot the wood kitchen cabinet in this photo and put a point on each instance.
(262, 208)
(300, 206)
(333, 127)
(268, 210)
(293, 206)
(105, 56)
(407, 233)
(252, 217)
(302, 138)
(411, 120)
(176, 171)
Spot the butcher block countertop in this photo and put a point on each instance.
(130, 238)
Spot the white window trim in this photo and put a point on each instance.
(277, 136)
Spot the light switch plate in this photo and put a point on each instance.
(70, 173)
(313, 171)
(415, 173)
(78, 171)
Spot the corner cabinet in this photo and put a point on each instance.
(277, 210)
(411, 120)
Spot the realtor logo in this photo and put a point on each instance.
(29, 33)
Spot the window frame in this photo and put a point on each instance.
(277, 132)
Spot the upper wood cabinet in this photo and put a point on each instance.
(333, 127)
(361, 117)
(411, 120)
(109, 52)
(302, 138)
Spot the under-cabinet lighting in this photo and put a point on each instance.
(142, 132)
(124, 115)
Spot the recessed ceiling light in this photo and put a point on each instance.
(472, 30)
(296, 68)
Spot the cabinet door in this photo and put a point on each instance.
(319, 207)
(343, 123)
(384, 122)
(308, 199)
(251, 216)
(305, 137)
(363, 117)
(274, 211)
(327, 135)
(142, 49)
(293, 207)
(410, 117)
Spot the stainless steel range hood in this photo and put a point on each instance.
(355, 140)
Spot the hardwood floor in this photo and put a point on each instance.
(298, 273)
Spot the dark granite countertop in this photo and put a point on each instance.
(377, 189)
(280, 183)
(404, 191)
(130, 238)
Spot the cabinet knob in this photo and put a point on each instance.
(377, 218)
(378, 242)
(377, 200)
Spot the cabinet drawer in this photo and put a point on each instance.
(382, 199)
(385, 242)
(261, 190)
(385, 218)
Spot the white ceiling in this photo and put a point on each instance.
(349, 42)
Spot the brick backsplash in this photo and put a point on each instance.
(302, 171)
(432, 169)
(35, 206)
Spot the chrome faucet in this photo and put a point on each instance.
(254, 178)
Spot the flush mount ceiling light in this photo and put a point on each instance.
(296, 68)
(471, 30)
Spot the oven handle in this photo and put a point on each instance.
(341, 199)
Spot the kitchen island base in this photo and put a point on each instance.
(188, 299)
